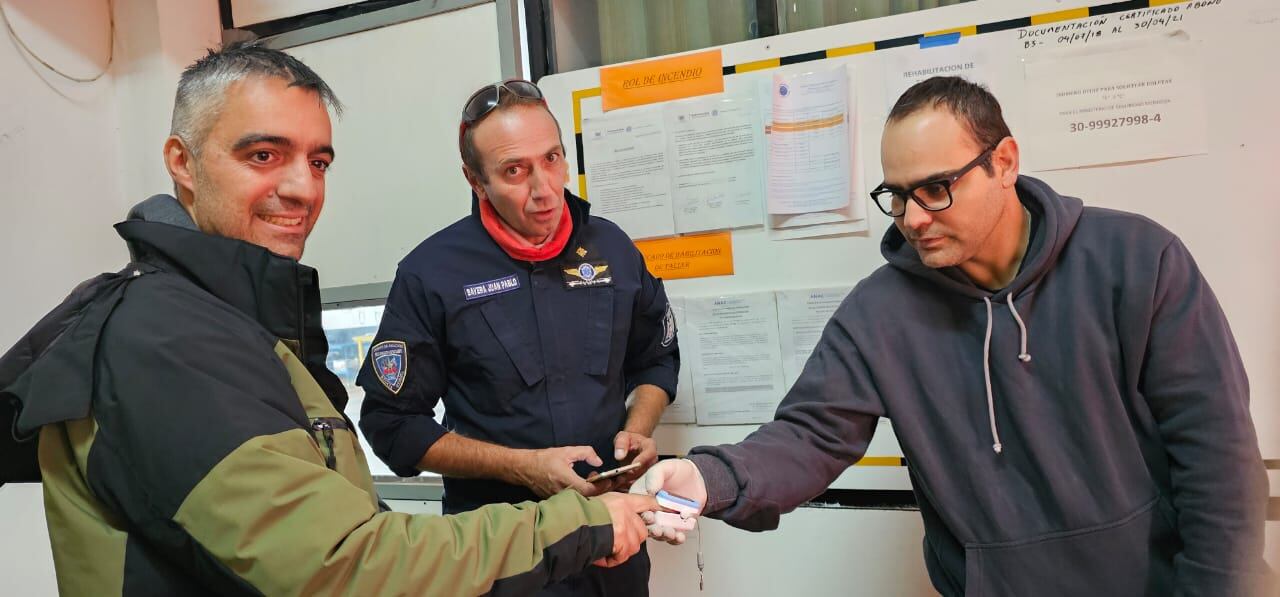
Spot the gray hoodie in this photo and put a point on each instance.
(1084, 431)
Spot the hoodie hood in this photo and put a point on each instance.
(165, 209)
(1053, 218)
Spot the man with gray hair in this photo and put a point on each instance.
(190, 439)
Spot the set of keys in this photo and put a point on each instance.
(684, 517)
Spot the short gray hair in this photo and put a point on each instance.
(202, 88)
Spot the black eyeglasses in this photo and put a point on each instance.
(931, 195)
(483, 101)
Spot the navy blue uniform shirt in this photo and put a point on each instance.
(525, 355)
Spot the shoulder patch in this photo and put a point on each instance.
(390, 363)
(668, 327)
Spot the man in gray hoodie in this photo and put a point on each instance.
(1061, 379)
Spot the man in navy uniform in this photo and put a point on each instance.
(534, 322)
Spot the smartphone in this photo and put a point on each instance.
(613, 473)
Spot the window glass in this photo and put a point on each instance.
(350, 332)
(801, 15)
(588, 33)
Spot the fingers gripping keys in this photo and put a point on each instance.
(684, 515)
(676, 478)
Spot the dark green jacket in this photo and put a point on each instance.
(192, 442)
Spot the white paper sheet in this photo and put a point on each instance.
(628, 180)
(737, 373)
(802, 315)
(716, 146)
(850, 219)
(1131, 101)
(682, 409)
(845, 220)
(808, 166)
(819, 230)
(904, 67)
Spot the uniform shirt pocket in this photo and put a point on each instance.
(519, 343)
(598, 327)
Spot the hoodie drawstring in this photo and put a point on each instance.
(1023, 356)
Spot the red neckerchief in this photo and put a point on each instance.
(518, 248)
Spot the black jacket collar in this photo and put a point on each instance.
(47, 376)
(276, 291)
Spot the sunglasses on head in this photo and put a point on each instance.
(483, 101)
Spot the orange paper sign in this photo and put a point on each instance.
(661, 80)
(695, 256)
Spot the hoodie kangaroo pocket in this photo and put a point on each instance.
(1132, 556)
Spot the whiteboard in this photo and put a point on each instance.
(1222, 204)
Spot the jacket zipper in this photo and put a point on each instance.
(325, 426)
(302, 318)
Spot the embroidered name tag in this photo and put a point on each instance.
(587, 275)
(490, 288)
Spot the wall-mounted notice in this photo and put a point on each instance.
(661, 80)
(809, 142)
(904, 67)
(696, 256)
(802, 315)
(1131, 101)
(627, 178)
(732, 342)
(848, 219)
(681, 411)
(717, 160)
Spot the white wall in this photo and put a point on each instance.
(156, 40)
(59, 190)
(814, 553)
(249, 12)
(398, 176)
(73, 158)
(59, 164)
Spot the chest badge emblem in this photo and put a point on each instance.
(587, 274)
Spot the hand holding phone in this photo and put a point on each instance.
(609, 474)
